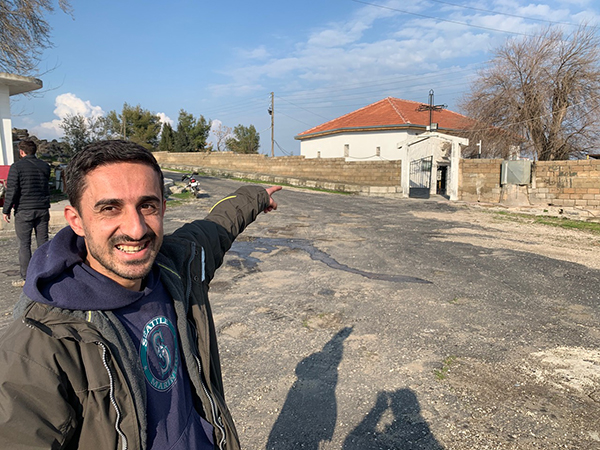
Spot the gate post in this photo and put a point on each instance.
(405, 170)
(454, 167)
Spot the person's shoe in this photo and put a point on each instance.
(18, 283)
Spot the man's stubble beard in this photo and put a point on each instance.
(119, 268)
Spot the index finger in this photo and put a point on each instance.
(271, 190)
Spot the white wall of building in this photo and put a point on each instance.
(360, 146)
(6, 142)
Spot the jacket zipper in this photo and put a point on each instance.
(216, 418)
(213, 407)
(124, 445)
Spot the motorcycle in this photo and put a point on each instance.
(192, 185)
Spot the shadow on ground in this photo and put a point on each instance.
(309, 414)
(395, 422)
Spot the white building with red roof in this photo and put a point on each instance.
(427, 142)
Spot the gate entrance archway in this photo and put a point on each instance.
(420, 177)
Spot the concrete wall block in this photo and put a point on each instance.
(381, 190)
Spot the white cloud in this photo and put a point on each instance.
(259, 52)
(165, 119)
(430, 48)
(215, 125)
(371, 43)
(66, 104)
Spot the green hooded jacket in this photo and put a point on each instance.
(72, 379)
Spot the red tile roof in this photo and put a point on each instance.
(389, 113)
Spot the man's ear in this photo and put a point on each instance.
(74, 220)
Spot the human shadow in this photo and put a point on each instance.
(309, 413)
(394, 423)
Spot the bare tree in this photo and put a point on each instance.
(24, 33)
(222, 133)
(81, 131)
(541, 91)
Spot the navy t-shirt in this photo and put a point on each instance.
(173, 422)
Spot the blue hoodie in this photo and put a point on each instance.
(57, 276)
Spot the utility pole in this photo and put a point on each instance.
(272, 113)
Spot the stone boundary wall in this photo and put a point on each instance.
(564, 184)
(479, 180)
(360, 177)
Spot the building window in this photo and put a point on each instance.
(319, 154)
(378, 151)
(346, 150)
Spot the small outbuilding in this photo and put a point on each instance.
(427, 139)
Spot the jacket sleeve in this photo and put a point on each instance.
(34, 411)
(12, 189)
(226, 220)
(235, 212)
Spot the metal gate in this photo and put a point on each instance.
(420, 177)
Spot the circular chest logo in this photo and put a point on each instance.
(159, 353)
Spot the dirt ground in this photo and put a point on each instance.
(499, 351)
(548, 399)
(359, 323)
(554, 242)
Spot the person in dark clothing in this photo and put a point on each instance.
(28, 194)
(114, 344)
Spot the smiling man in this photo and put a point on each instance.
(121, 219)
(114, 345)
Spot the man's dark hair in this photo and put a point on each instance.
(102, 153)
(28, 146)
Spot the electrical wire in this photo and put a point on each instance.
(286, 153)
(285, 100)
(442, 20)
(472, 8)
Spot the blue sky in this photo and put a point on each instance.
(321, 58)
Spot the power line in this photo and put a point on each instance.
(322, 117)
(286, 153)
(441, 19)
(327, 92)
(503, 13)
(417, 87)
(297, 120)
